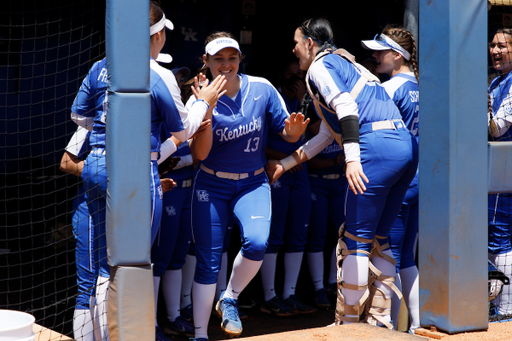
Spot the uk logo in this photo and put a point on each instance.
(276, 184)
(508, 110)
(160, 192)
(326, 91)
(171, 210)
(202, 195)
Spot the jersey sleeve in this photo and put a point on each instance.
(82, 110)
(276, 111)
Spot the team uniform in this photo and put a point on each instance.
(328, 192)
(231, 180)
(500, 205)
(291, 207)
(403, 90)
(389, 157)
(172, 242)
(83, 327)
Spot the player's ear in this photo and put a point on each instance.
(309, 43)
(205, 60)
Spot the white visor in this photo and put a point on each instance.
(383, 42)
(164, 58)
(160, 25)
(221, 43)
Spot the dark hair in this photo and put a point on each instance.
(405, 39)
(320, 31)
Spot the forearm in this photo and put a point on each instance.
(71, 164)
(192, 120)
(201, 145)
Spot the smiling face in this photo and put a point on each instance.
(224, 63)
(501, 50)
(302, 50)
(385, 60)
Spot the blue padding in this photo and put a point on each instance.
(500, 167)
(127, 45)
(128, 166)
(453, 165)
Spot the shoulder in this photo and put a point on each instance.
(398, 84)
(160, 74)
(258, 81)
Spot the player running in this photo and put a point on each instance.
(231, 180)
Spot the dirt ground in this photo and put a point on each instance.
(263, 327)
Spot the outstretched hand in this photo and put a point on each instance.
(295, 125)
(274, 170)
(209, 93)
(355, 176)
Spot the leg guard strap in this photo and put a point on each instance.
(379, 306)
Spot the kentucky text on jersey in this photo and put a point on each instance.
(241, 131)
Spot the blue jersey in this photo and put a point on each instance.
(500, 93)
(240, 126)
(329, 152)
(332, 75)
(165, 103)
(275, 141)
(90, 102)
(403, 90)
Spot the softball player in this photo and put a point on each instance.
(72, 162)
(500, 205)
(89, 111)
(328, 192)
(291, 206)
(173, 241)
(231, 180)
(381, 159)
(395, 53)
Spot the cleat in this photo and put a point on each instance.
(321, 299)
(160, 335)
(277, 307)
(227, 309)
(180, 326)
(331, 290)
(298, 307)
(187, 313)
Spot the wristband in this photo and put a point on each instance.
(202, 100)
(288, 162)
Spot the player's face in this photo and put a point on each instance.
(501, 50)
(301, 50)
(385, 60)
(224, 63)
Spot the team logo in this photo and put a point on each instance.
(202, 195)
(189, 34)
(276, 184)
(508, 110)
(171, 210)
(313, 196)
(326, 91)
(160, 192)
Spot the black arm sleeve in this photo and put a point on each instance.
(349, 126)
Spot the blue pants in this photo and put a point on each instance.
(214, 200)
(327, 198)
(173, 239)
(403, 233)
(500, 223)
(94, 175)
(291, 207)
(85, 273)
(389, 159)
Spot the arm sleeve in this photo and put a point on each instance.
(78, 144)
(191, 120)
(503, 118)
(166, 149)
(346, 110)
(318, 142)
